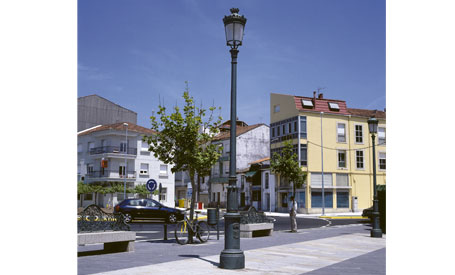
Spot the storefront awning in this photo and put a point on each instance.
(250, 174)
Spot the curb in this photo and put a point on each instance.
(344, 217)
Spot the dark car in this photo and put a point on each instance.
(148, 209)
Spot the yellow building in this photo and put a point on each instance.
(344, 165)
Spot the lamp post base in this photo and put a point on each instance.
(232, 259)
(376, 233)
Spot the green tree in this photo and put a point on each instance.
(287, 166)
(184, 140)
(82, 189)
(141, 189)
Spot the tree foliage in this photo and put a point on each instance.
(287, 165)
(183, 139)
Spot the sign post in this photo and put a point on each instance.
(151, 185)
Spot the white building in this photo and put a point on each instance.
(117, 145)
(252, 143)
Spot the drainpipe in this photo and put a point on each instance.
(322, 168)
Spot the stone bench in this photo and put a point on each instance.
(94, 226)
(115, 241)
(251, 230)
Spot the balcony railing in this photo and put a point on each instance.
(113, 174)
(112, 149)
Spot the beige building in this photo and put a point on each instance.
(344, 164)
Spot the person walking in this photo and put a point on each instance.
(292, 214)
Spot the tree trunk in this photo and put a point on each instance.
(198, 188)
(193, 198)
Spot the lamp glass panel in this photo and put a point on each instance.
(238, 32)
(229, 28)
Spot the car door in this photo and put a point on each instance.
(151, 210)
(139, 206)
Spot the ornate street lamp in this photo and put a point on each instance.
(376, 231)
(126, 151)
(232, 257)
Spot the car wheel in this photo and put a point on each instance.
(172, 218)
(128, 218)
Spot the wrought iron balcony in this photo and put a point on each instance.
(112, 174)
(113, 150)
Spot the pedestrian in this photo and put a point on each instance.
(292, 214)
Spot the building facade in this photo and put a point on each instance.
(333, 145)
(252, 143)
(115, 154)
(93, 110)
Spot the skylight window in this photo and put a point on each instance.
(334, 106)
(307, 103)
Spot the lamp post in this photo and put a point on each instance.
(376, 230)
(232, 257)
(126, 151)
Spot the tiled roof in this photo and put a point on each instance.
(321, 105)
(239, 131)
(367, 113)
(119, 126)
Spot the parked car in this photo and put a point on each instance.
(368, 212)
(148, 209)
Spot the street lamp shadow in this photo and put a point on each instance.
(198, 257)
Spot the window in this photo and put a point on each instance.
(284, 129)
(303, 131)
(266, 180)
(79, 148)
(90, 169)
(90, 146)
(123, 147)
(295, 127)
(342, 199)
(303, 155)
(163, 193)
(226, 148)
(88, 197)
(341, 132)
(341, 158)
(150, 203)
(316, 199)
(284, 199)
(278, 131)
(163, 169)
(242, 182)
(273, 131)
(382, 160)
(307, 103)
(276, 108)
(359, 159)
(316, 179)
(342, 180)
(121, 170)
(334, 106)
(226, 168)
(216, 170)
(144, 146)
(290, 128)
(381, 135)
(144, 169)
(358, 134)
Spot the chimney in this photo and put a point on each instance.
(314, 94)
(320, 96)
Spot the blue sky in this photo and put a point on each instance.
(135, 52)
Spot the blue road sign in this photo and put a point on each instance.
(151, 185)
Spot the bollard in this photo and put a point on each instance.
(218, 221)
(165, 231)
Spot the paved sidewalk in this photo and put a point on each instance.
(329, 250)
(294, 258)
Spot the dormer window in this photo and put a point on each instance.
(307, 103)
(334, 106)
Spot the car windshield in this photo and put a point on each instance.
(137, 203)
